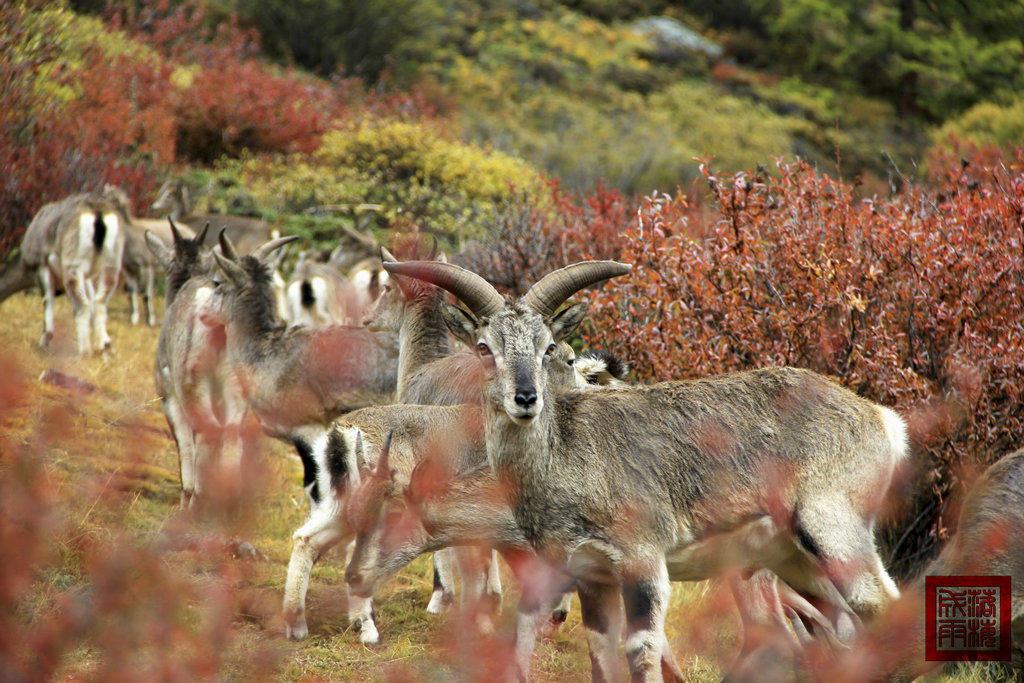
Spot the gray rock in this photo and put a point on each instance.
(671, 40)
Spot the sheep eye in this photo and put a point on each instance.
(483, 349)
(571, 361)
(551, 349)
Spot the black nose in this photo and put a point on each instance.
(526, 397)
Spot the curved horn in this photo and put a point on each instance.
(267, 248)
(553, 289)
(386, 255)
(226, 247)
(474, 291)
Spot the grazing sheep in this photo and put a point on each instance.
(245, 233)
(199, 396)
(319, 294)
(76, 245)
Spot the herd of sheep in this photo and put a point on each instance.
(474, 430)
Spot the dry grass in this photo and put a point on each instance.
(106, 470)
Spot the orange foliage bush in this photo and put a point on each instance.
(915, 302)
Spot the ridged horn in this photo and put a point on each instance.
(478, 294)
(553, 289)
(267, 248)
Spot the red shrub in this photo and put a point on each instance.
(534, 236)
(113, 132)
(915, 302)
(233, 102)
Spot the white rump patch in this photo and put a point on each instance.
(86, 226)
(896, 430)
(361, 279)
(319, 286)
(113, 224)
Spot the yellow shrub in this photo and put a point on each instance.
(412, 170)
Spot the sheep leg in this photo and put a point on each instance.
(133, 296)
(601, 611)
(148, 278)
(475, 567)
(185, 441)
(444, 582)
(492, 591)
(768, 647)
(46, 286)
(360, 611)
(101, 295)
(645, 597)
(320, 532)
(79, 290)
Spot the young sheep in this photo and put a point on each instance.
(200, 399)
(245, 233)
(335, 455)
(776, 468)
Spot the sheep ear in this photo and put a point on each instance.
(460, 323)
(232, 270)
(567, 321)
(156, 245)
